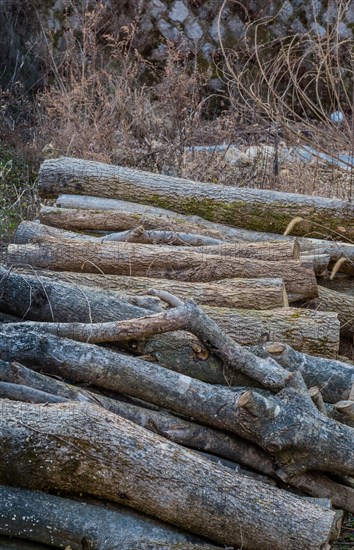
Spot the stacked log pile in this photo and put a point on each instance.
(161, 384)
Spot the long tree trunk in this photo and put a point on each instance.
(232, 293)
(287, 425)
(83, 450)
(28, 232)
(85, 212)
(31, 297)
(63, 523)
(186, 433)
(260, 210)
(44, 300)
(157, 261)
(314, 334)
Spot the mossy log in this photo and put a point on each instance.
(256, 209)
(313, 334)
(113, 215)
(161, 262)
(79, 212)
(81, 449)
(63, 523)
(232, 293)
(310, 440)
(184, 432)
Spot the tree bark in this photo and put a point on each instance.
(256, 209)
(342, 304)
(80, 449)
(63, 523)
(320, 262)
(310, 331)
(157, 261)
(39, 299)
(334, 378)
(112, 215)
(313, 334)
(87, 214)
(31, 297)
(29, 232)
(310, 441)
(232, 293)
(185, 433)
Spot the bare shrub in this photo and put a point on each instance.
(302, 85)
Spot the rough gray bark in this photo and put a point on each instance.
(133, 466)
(63, 523)
(256, 209)
(320, 262)
(187, 316)
(112, 214)
(31, 297)
(185, 433)
(343, 411)
(87, 214)
(313, 334)
(310, 331)
(310, 441)
(342, 304)
(334, 378)
(19, 392)
(28, 232)
(232, 293)
(137, 234)
(158, 261)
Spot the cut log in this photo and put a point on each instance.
(157, 261)
(260, 210)
(63, 523)
(320, 262)
(113, 215)
(88, 214)
(186, 433)
(307, 330)
(343, 304)
(31, 297)
(232, 293)
(310, 441)
(29, 232)
(80, 449)
(313, 334)
(334, 378)
(19, 392)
